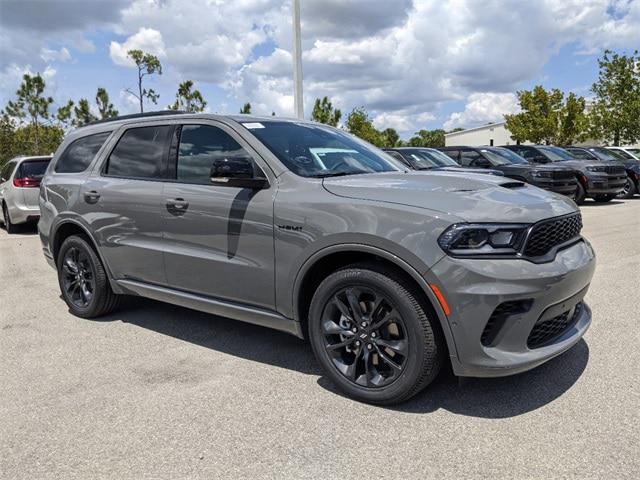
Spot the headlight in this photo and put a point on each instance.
(469, 239)
(540, 174)
(596, 169)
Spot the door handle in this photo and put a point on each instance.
(177, 203)
(91, 197)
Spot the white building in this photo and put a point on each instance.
(492, 134)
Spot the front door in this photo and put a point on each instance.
(218, 240)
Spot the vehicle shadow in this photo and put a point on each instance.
(23, 229)
(593, 203)
(486, 398)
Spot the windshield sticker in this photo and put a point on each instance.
(253, 125)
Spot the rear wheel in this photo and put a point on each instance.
(83, 280)
(6, 219)
(580, 194)
(629, 189)
(372, 335)
(604, 198)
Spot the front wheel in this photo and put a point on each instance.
(629, 189)
(580, 194)
(83, 280)
(372, 335)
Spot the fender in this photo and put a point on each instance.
(399, 262)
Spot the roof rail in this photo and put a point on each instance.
(157, 113)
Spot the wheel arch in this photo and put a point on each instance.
(329, 259)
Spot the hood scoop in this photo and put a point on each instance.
(514, 184)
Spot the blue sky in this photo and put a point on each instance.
(411, 64)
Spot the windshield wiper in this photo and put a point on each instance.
(336, 174)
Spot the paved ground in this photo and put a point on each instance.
(157, 391)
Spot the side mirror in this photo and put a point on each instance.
(236, 172)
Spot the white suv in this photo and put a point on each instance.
(19, 187)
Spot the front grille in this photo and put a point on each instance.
(562, 175)
(545, 332)
(499, 316)
(549, 233)
(615, 169)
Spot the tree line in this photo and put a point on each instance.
(28, 125)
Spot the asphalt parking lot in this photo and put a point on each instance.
(156, 391)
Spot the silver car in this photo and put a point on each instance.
(19, 185)
(301, 227)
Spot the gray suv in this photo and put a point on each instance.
(301, 227)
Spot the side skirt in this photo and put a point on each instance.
(244, 313)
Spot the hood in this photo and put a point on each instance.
(477, 198)
(478, 171)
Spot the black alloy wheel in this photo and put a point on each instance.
(365, 336)
(580, 193)
(628, 190)
(78, 278)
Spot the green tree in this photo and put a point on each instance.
(547, 117)
(7, 135)
(105, 108)
(360, 125)
(82, 113)
(187, 99)
(246, 109)
(615, 114)
(390, 137)
(324, 112)
(428, 138)
(31, 104)
(147, 64)
(64, 115)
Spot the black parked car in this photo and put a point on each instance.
(422, 158)
(559, 179)
(631, 165)
(595, 180)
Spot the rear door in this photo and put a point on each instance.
(219, 239)
(122, 203)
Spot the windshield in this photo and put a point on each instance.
(606, 155)
(495, 158)
(556, 154)
(34, 168)
(635, 151)
(512, 157)
(312, 150)
(425, 158)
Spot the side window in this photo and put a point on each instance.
(469, 157)
(140, 153)
(7, 170)
(528, 153)
(452, 153)
(399, 157)
(80, 153)
(200, 146)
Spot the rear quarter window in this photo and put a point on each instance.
(140, 153)
(80, 153)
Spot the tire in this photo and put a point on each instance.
(96, 298)
(604, 198)
(629, 189)
(410, 339)
(580, 194)
(6, 219)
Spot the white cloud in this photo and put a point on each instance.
(48, 55)
(482, 108)
(146, 39)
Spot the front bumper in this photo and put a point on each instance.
(474, 288)
(564, 187)
(605, 184)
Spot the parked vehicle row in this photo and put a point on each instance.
(389, 272)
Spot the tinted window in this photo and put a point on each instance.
(140, 153)
(7, 170)
(80, 153)
(452, 153)
(200, 146)
(468, 158)
(581, 154)
(510, 156)
(623, 154)
(33, 168)
(313, 150)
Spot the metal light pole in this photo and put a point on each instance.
(297, 62)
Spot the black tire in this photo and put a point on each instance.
(6, 219)
(85, 287)
(412, 338)
(629, 189)
(604, 198)
(580, 194)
